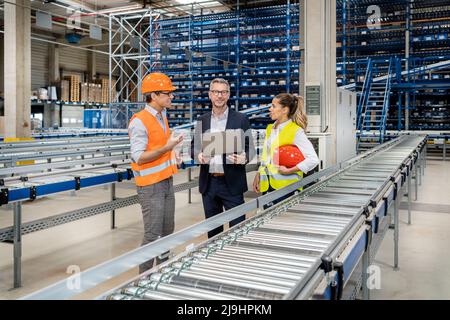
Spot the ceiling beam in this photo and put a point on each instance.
(78, 5)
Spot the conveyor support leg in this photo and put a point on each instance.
(113, 212)
(17, 245)
(396, 228)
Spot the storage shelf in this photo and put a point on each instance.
(68, 103)
(429, 43)
(261, 54)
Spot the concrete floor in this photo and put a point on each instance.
(424, 260)
(424, 245)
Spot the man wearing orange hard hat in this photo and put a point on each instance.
(153, 160)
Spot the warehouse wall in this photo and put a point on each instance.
(39, 64)
(76, 60)
(102, 64)
(73, 59)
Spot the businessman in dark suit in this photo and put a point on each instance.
(223, 179)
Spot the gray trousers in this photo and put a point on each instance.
(158, 211)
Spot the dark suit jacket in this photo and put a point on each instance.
(235, 174)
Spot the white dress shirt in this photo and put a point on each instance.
(302, 142)
(138, 132)
(218, 124)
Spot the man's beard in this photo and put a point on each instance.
(220, 106)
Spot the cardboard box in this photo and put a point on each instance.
(98, 93)
(84, 92)
(91, 96)
(64, 87)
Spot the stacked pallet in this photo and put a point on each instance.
(92, 93)
(85, 92)
(74, 81)
(71, 89)
(98, 93)
(64, 86)
(104, 83)
(105, 88)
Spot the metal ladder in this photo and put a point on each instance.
(373, 103)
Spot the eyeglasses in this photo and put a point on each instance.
(167, 94)
(217, 92)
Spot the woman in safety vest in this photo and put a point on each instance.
(288, 130)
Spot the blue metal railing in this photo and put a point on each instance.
(370, 117)
(364, 95)
(386, 101)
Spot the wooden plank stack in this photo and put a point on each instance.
(65, 90)
(104, 83)
(73, 90)
(74, 87)
(105, 87)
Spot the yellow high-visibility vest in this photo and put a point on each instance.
(268, 172)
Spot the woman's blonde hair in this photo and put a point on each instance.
(296, 107)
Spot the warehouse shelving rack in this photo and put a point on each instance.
(418, 100)
(257, 51)
(37, 106)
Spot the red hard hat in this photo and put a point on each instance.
(288, 155)
(157, 82)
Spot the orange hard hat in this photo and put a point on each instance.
(288, 155)
(156, 82)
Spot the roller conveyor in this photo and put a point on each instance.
(271, 253)
(60, 144)
(307, 246)
(323, 210)
(60, 165)
(11, 158)
(344, 191)
(352, 203)
(361, 184)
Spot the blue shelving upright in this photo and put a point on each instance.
(256, 50)
(425, 95)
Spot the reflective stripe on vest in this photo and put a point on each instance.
(269, 175)
(158, 169)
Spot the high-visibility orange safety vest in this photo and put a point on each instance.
(161, 168)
